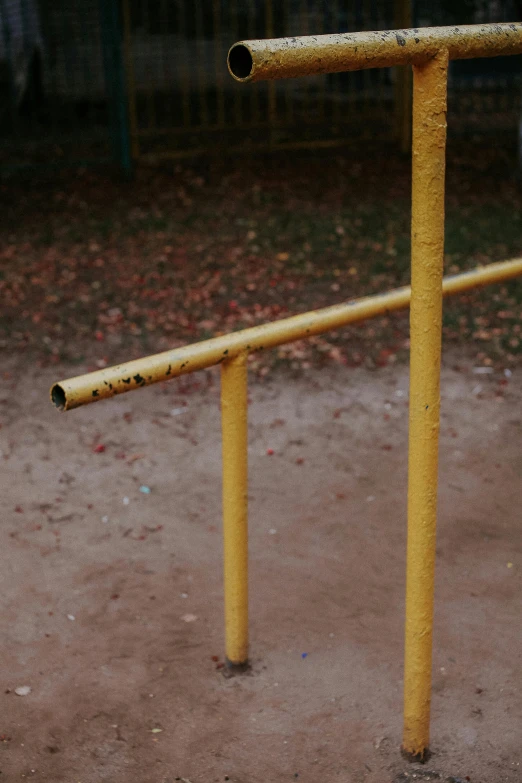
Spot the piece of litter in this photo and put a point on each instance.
(270, 452)
(387, 406)
(146, 490)
(482, 370)
(189, 618)
(99, 449)
(156, 731)
(507, 373)
(272, 531)
(304, 655)
(105, 520)
(370, 498)
(510, 565)
(126, 501)
(71, 617)
(177, 411)
(23, 690)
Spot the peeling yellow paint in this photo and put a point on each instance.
(287, 58)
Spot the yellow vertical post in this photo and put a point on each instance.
(234, 418)
(427, 237)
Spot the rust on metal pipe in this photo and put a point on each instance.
(98, 385)
(287, 58)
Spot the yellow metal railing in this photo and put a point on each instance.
(429, 51)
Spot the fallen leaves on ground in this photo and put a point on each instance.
(99, 271)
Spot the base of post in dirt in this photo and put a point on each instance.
(232, 668)
(420, 757)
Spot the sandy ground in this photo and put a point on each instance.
(112, 598)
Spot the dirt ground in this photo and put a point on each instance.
(112, 597)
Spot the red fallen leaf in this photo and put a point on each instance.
(19, 509)
(115, 596)
(337, 414)
(127, 416)
(270, 452)
(340, 496)
(299, 461)
(99, 336)
(89, 505)
(99, 449)
(386, 447)
(215, 658)
(220, 665)
(386, 417)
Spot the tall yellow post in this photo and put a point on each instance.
(427, 237)
(234, 419)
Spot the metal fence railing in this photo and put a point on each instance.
(88, 79)
(429, 51)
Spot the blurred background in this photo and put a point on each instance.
(148, 200)
(126, 80)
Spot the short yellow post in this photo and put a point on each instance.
(234, 392)
(427, 235)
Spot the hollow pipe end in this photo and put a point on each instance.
(416, 756)
(240, 62)
(58, 397)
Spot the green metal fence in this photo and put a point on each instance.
(89, 80)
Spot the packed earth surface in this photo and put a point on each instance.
(112, 598)
(111, 554)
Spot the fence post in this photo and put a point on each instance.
(111, 36)
(234, 422)
(402, 92)
(427, 255)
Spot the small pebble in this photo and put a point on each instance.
(23, 690)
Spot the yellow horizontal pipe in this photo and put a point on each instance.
(286, 58)
(98, 385)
